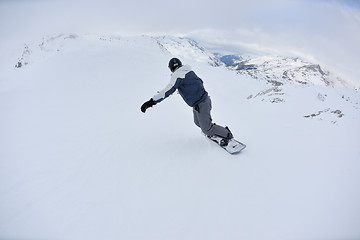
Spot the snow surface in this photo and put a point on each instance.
(78, 160)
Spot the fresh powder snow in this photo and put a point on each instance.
(78, 160)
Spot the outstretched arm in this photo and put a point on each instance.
(168, 90)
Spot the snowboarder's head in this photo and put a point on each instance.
(174, 64)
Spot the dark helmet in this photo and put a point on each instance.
(174, 64)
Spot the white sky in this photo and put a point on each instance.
(324, 31)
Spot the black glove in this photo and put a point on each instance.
(147, 104)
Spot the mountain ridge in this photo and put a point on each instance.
(275, 70)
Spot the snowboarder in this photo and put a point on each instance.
(192, 90)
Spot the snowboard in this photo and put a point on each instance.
(233, 147)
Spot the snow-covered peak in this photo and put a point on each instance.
(279, 70)
(188, 48)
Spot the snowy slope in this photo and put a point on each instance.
(78, 160)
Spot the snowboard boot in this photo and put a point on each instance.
(225, 141)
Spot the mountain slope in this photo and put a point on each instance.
(80, 161)
(275, 70)
(278, 70)
(188, 48)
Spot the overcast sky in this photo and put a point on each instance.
(324, 31)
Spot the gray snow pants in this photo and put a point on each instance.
(202, 119)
